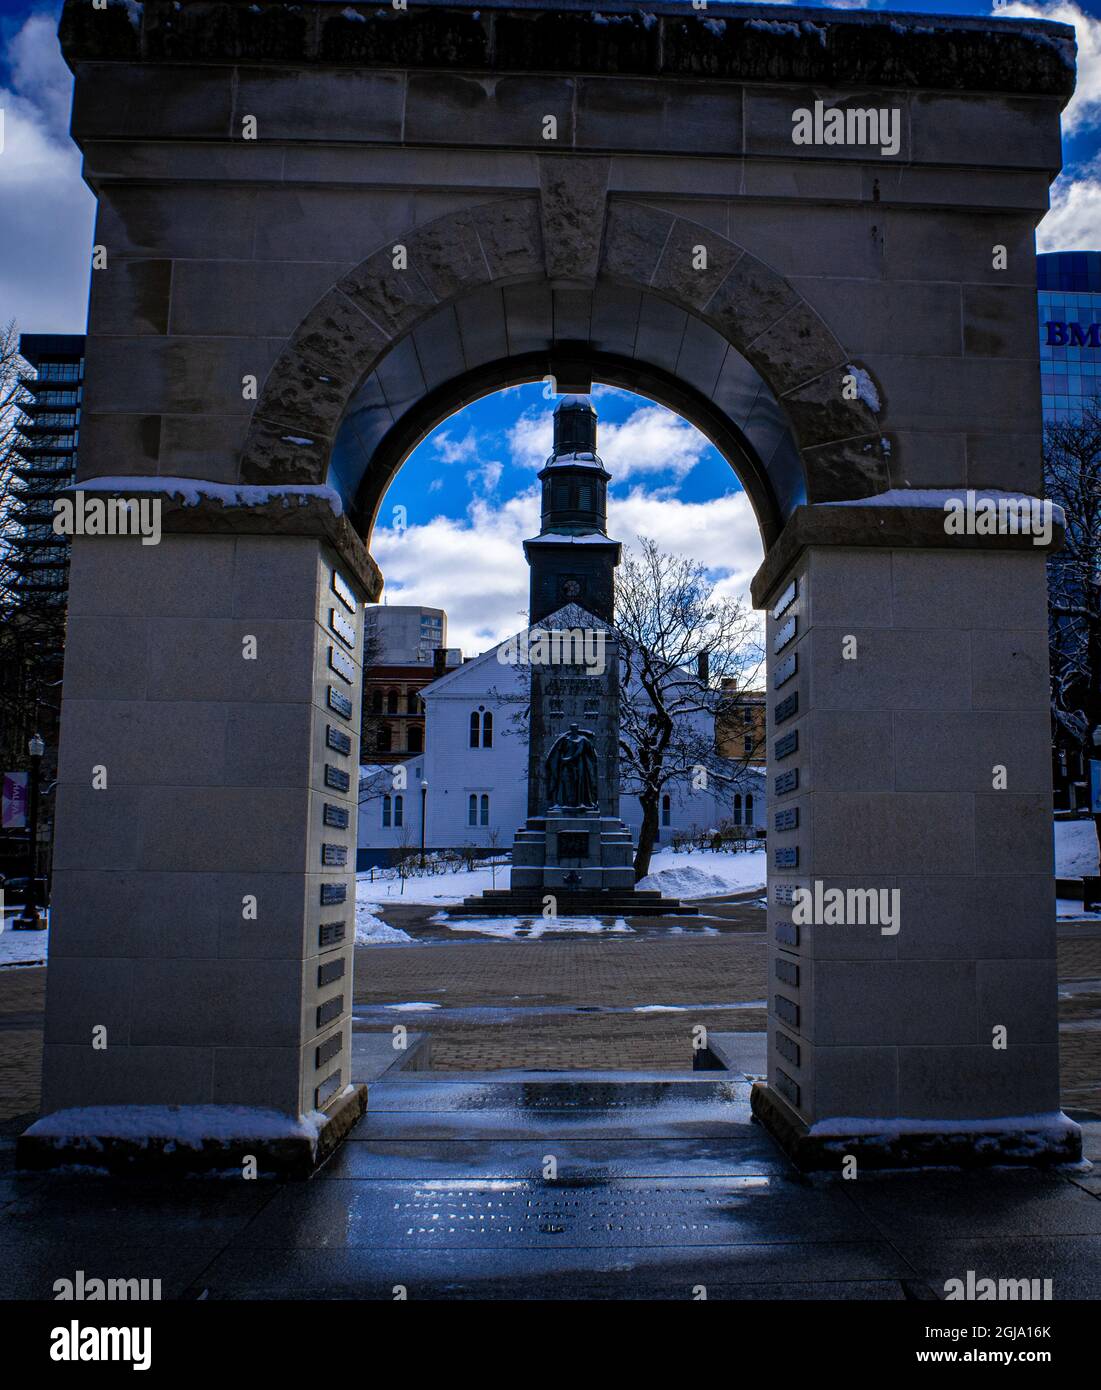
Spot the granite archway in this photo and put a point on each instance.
(833, 317)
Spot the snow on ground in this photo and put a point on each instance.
(1075, 848)
(429, 888)
(415, 1007)
(22, 947)
(715, 873)
(371, 931)
(529, 928)
(702, 873)
(1072, 907)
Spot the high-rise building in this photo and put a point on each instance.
(48, 434)
(1069, 286)
(403, 651)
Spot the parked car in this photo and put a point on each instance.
(15, 891)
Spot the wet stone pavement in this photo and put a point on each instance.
(529, 1186)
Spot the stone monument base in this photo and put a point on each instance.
(581, 859)
(570, 851)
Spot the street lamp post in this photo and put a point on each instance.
(29, 920)
(424, 816)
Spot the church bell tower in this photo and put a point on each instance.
(572, 560)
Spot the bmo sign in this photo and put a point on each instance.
(1086, 335)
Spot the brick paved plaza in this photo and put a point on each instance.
(568, 1003)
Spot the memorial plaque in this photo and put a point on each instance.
(344, 592)
(786, 746)
(787, 782)
(787, 971)
(339, 702)
(328, 1050)
(343, 665)
(786, 1048)
(786, 1009)
(787, 933)
(337, 778)
(785, 635)
(787, 1088)
(337, 739)
(334, 856)
(786, 599)
(787, 820)
(345, 630)
(332, 1008)
(786, 709)
(330, 934)
(787, 858)
(326, 1090)
(573, 844)
(333, 970)
(336, 817)
(786, 669)
(333, 893)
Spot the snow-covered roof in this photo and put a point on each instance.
(569, 616)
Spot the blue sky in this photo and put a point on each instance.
(469, 490)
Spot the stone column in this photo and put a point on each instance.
(204, 893)
(909, 753)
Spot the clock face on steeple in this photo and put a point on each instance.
(571, 588)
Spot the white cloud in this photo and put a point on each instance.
(1074, 222)
(475, 568)
(450, 450)
(46, 212)
(651, 440)
(1084, 108)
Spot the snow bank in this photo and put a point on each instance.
(688, 882)
(705, 873)
(1075, 848)
(372, 931)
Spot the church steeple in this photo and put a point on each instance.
(575, 482)
(572, 560)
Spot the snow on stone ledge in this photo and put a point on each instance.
(1053, 1123)
(935, 498)
(193, 491)
(191, 1126)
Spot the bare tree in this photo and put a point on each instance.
(1072, 475)
(668, 612)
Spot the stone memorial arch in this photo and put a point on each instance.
(321, 228)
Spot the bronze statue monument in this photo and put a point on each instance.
(571, 771)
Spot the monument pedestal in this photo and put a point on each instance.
(584, 861)
(571, 851)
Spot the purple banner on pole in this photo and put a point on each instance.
(14, 815)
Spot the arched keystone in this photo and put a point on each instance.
(574, 194)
